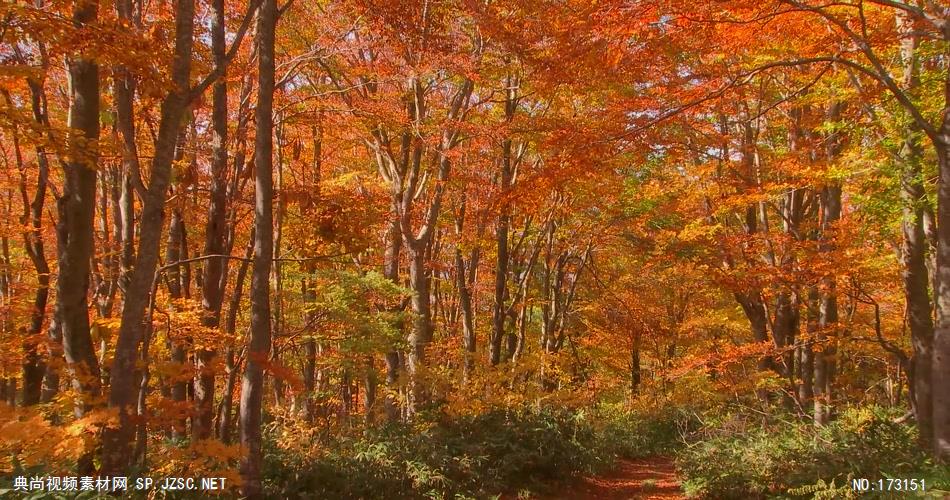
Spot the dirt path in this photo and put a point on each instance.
(649, 478)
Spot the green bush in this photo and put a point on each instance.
(477, 456)
(740, 459)
(629, 434)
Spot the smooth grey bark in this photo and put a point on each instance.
(236, 185)
(825, 364)
(499, 307)
(916, 289)
(393, 246)
(805, 362)
(309, 295)
(914, 271)
(76, 208)
(465, 274)
(502, 228)
(230, 326)
(212, 295)
(123, 380)
(940, 369)
(173, 253)
(123, 91)
(407, 180)
(259, 341)
(277, 306)
(422, 328)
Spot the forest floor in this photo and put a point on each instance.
(647, 478)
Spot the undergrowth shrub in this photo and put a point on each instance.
(477, 456)
(739, 458)
(642, 433)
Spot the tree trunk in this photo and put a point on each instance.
(807, 370)
(310, 346)
(309, 292)
(54, 336)
(784, 327)
(464, 280)
(500, 308)
(75, 231)
(940, 371)
(277, 382)
(825, 365)
(123, 380)
(830, 210)
(215, 229)
(914, 263)
(635, 367)
(230, 326)
(393, 246)
(235, 187)
(370, 382)
(787, 319)
(421, 333)
(941, 342)
(31, 219)
(916, 290)
(123, 97)
(252, 390)
(105, 271)
(176, 349)
(465, 304)
(754, 310)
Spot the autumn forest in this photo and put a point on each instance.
(475, 248)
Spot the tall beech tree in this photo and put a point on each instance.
(259, 341)
(76, 209)
(34, 369)
(123, 380)
(215, 268)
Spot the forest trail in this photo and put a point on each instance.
(646, 478)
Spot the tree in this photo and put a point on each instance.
(259, 342)
(76, 209)
(123, 377)
(214, 270)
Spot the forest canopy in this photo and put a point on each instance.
(457, 249)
